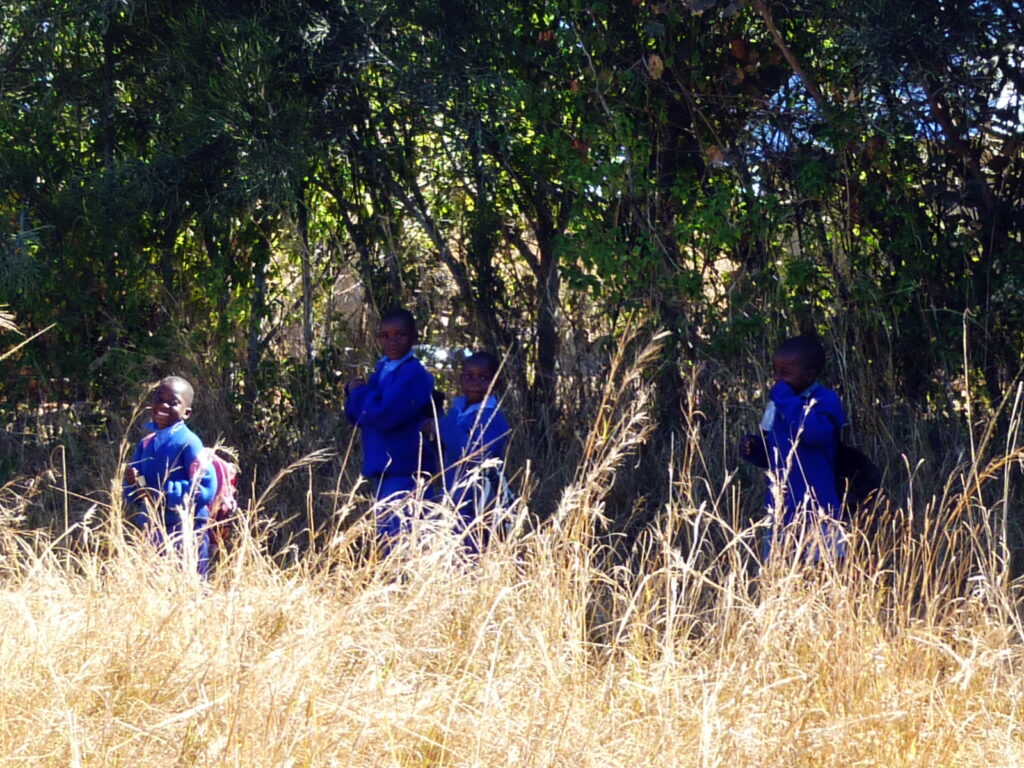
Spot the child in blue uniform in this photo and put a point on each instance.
(169, 472)
(389, 409)
(797, 445)
(473, 431)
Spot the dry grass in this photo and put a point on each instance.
(545, 652)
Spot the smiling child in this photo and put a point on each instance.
(168, 473)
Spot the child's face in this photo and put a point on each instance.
(476, 380)
(396, 339)
(170, 405)
(793, 370)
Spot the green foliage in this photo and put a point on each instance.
(195, 186)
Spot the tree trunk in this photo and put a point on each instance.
(307, 282)
(257, 310)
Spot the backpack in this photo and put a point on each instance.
(858, 479)
(224, 507)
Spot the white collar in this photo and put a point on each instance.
(491, 402)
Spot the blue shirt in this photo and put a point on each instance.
(389, 410)
(801, 447)
(470, 435)
(171, 463)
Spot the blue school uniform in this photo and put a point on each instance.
(172, 463)
(471, 435)
(801, 432)
(389, 411)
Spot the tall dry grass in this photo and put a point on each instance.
(548, 650)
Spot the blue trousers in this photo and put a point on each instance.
(394, 520)
(174, 537)
(827, 542)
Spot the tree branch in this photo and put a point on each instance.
(780, 43)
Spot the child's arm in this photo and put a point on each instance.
(200, 485)
(203, 480)
(448, 430)
(133, 495)
(355, 395)
(129, 488)
(753, 449)
(816, 428)
(491, 435)
(398, 403)
(433, 415)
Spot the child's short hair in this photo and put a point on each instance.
(807, 348)
(403, 316)
(179, 382)
(490, 360)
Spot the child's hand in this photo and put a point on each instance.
(352, 384)
(781, 391)
(752, 449)
(141, 492)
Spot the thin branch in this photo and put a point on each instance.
(10, 352)
(780, 43)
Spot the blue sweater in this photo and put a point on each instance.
(389, 412)
(170, 461)
(811, 478)
(471, 435)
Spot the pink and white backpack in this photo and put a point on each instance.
(224, 507)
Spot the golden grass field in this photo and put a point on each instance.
(547, 651)
(533, 656)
